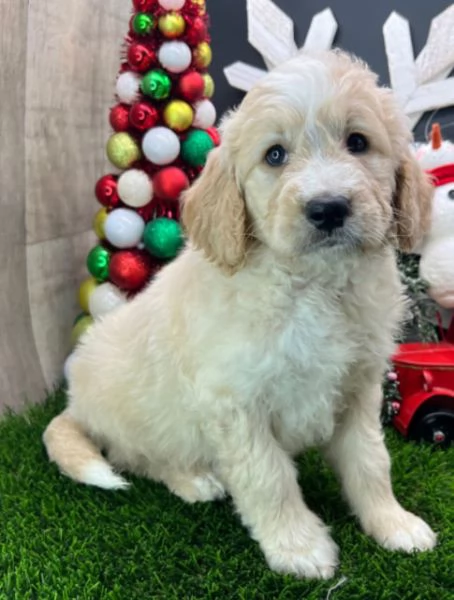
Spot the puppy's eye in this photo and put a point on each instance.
(276, 156)
(357, 143)
(451, 194)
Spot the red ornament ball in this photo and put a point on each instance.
(119, 117)
(169, 183)
(106, 191)
(191, 86)
(143, 116)
(214, 135)
(140, 57)
(130, 269)
(144, 5)
(198, 32)
(148, 211)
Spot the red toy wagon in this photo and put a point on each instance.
(424, 377)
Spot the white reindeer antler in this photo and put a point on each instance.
(270, 31)
(421, 85)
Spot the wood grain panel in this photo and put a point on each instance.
(73, 59)
(20, 374)
(55, 271)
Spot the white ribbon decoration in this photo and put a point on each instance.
(420, 85)
(270, 32)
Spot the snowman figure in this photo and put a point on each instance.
(437, 249)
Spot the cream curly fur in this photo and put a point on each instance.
(265, 337)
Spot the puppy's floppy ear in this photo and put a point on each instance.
(214, 213)
(412, 203)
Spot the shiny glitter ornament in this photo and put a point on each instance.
(214, 135)
(122, 150)
(98, 263)
(169, 183)
(191, 86)
(80, 328)
(124, 228)
(127, 87)
(197, 32)
(178, 115)
(85, 290)
(135, 188)
(196, 147)
(202, 55)
(99, 222)
(145, 5)
(163, 238)
(143, 23)
(156, 84)
(172, 4)
(143, 116)
(119, 117)
(161, 145)
(130, 269)
(205, 114)
(106, 191)
(172, 25)
(175, 56)
(104, 299)
(209, 88)
(140, 57)
(201, 6)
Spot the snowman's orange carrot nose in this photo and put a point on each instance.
(435, 136)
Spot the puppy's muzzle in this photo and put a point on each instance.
(327, 213)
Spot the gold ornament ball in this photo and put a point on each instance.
(209, 86)
(172, 25)
(98, 223)
(203, 55)
(82, 325)
(122, 150)
(178, 115)
(201, 5)
(87, 287)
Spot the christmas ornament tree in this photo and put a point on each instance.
(163, 129)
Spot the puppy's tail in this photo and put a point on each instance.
(77, 456)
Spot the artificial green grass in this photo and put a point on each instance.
(63, 541)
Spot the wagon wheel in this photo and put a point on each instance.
(435, 426)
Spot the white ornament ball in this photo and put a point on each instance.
(161, 145)
(128, 87)
(105, 298)
(135, 188)
(67, 366)
(124, 228)
(205, 114)
(172, 4)
(175, 56)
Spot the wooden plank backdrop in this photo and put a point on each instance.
(59, 62)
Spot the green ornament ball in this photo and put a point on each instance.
(156, 84)
(98, 262)
(143, 23)
(163, 238)
(196, 147)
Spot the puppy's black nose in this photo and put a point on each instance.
(327, 213)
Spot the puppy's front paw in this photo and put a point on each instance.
(313, 557)
(402, 530)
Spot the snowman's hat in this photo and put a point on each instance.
(440, 156)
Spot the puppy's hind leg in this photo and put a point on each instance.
(194, 485)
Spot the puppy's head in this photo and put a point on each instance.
(316, 158)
